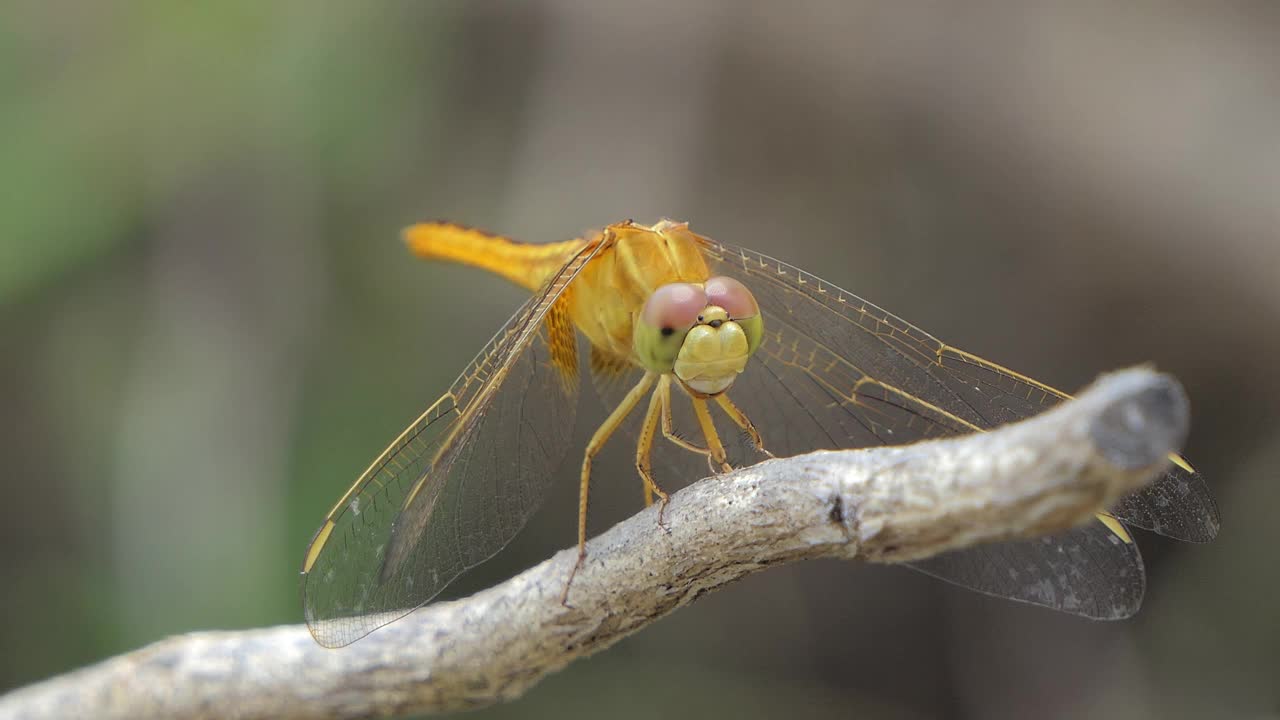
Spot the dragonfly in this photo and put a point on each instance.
(707, 353)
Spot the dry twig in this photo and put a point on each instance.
(883, 505)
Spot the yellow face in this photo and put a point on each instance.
(703, 333)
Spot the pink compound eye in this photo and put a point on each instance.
(675, 306)
(733, 296)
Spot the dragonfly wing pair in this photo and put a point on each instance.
(833, 372)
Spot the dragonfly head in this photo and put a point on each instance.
(702, 332)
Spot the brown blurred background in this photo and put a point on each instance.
(209, 324)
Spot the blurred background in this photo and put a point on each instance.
(210, 326)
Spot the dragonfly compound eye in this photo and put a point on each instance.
(668, 315)
(733, 296)
(741, 306)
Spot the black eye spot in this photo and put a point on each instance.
(667, 331)
(699, 318)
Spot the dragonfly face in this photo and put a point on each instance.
(704, 334)
(660, 306)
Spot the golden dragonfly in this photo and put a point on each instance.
(740, 357)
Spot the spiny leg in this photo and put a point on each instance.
(741, 420)
(643, 449)
(668, 425)
(598, 440)
(717, 454)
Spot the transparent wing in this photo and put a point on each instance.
(458, 484)
(1087, 571)
(875, 362)
(837, 371)
(800, 393)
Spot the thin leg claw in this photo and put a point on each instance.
(564, 595)
(662, 511)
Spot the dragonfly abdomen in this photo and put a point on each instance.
(528, 265)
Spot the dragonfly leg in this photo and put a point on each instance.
(643, 450)
(598, 441)
(717, 455)
(668, 425)
(741, 420)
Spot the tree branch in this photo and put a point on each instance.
(883, 505)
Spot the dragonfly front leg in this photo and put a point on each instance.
(668, 424)
(717, 454)
(741, 420)
(597, 442)
(643, 450)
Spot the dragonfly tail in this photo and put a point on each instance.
(525, 264)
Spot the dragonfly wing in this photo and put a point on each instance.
(885, 353)
(1177, 505)
(1087, 571)
(837, 372)
(612, 376)
(824, 401)
(458, 484)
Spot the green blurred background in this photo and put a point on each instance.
(209, 324)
